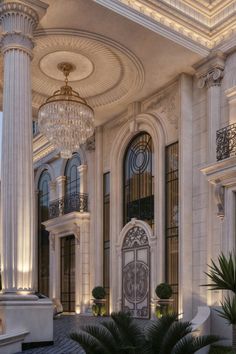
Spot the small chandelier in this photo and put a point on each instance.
(65, 118)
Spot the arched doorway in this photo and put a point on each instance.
(136, 273)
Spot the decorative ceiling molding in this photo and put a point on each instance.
(116, 82)
(196, 24)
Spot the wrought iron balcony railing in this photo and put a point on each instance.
(67, 204)
(226, 142)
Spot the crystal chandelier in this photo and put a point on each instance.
(65, 118)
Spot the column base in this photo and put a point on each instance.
(26, 315)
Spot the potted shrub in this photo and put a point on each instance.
(99, 301)
(164, 302)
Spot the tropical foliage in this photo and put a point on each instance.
(122, 335)
(223, 277)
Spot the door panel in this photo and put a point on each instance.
(68, 273)
(135, 273)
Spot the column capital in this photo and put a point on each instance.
(82, 168)
(210, 70)
(61, 179)
(18, 20)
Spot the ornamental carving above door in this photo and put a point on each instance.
(136, 273)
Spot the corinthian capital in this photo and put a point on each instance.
(210, 70)
(18, 20)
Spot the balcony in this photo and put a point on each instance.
(67, 204)
(226, 142)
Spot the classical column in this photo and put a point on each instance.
(99, 206)
(210, 73)
(18, 21)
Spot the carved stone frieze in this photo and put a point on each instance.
(166, 105)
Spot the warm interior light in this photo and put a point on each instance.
(65, 118)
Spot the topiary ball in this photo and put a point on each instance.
(99, 293)
(164, 291)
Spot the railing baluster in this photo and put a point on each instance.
(67, 204)
(226, 142)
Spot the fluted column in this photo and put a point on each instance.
(17, 199)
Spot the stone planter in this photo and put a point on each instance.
(99, 307)
(164, 307)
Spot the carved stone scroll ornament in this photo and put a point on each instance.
(52, 241)
(212, 78)
(76, 231)
(219, 197)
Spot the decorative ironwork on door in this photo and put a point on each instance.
(136, 273)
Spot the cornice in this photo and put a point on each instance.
(198, 25)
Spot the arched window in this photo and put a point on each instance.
(43, 235)
(72, 175)
(139, 179)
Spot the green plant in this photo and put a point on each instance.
(223, 277)
(220, 350)
(122, 335)
(98, 292)
(164, 291)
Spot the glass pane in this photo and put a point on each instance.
(172, 207)
(139, 180)
(68, 273)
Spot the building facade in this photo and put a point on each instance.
(150, 198)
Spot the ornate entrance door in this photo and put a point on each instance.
(136, 273)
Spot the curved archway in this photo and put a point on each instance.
(150, 124)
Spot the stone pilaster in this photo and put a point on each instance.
(210, 73)
(82, 169)
(52, 190)
(17, 229)
(61, 183)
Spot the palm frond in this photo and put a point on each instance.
(223, 276)
(104, 337)
(190, 344)
(228, 311)
(156, 331)
(131, 334)
(90, 344)
(174, 334)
